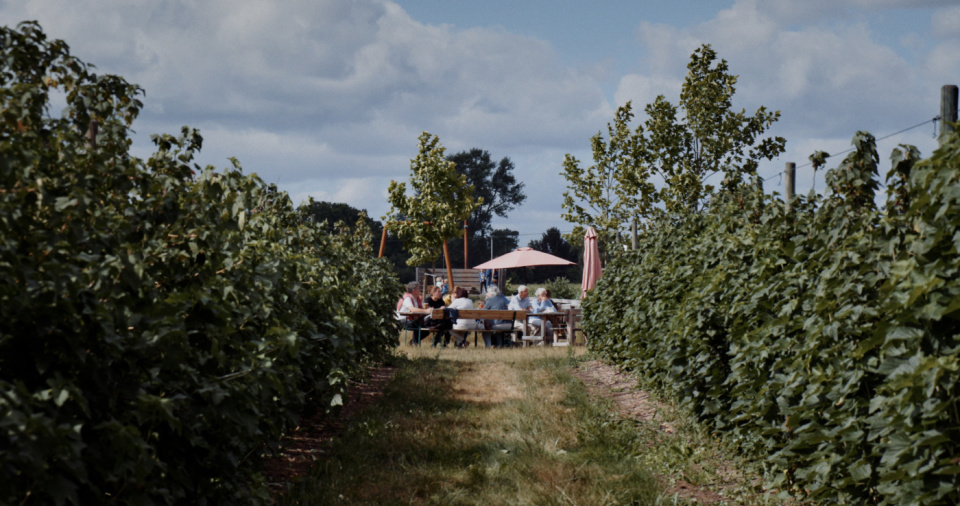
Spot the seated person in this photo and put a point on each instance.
(550, 299)
(412, 303)
(435, 301)
(520, 302)
(496, 301)
(462, 301)
(543, 305)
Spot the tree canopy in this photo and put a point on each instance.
(333, 212)
(662, 166)
(440, 201)
(495, 183)
(553, 242)
(492, 182)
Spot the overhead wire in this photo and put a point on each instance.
(934, 120)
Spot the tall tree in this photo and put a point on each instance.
(441, 200)
(330, 213)
(612, 191)
(496, 185)
(553, 242)
(492, 182)
(681, 146)
(711, 138)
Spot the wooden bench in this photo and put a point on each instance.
(566, 334)
(467, 278)
(486, 314)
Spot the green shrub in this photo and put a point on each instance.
(562, 288)
(825, 341)
(161, 324)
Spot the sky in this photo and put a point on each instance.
(327, 98)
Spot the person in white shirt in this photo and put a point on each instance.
(521, 302)
(412, 303)
(462, 301)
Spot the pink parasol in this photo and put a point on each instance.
(591, 261)
(523, 257)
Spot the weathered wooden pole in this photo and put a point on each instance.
(948, 110)
(383, 241)
(633, 233)
(790, 182)
(466, 249)
(446, 257)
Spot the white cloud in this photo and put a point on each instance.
(946, 23)
(643, 90)
(327, 97)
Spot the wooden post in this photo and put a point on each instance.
(948, 110)
(633, 231)
(790, 178)
(466, 249)
(446, 256)
(383, 241)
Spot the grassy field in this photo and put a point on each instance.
(489, 426)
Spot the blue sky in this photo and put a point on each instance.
(326, 98)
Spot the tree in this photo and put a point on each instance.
(332, 212)
(683, 151)
(608, 194)
(553, 242)
(499, 190)
(441, 200)
(492, 182)
(711, 139)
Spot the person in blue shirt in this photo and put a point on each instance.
(543, 304)
(483, 281)
(496, 301)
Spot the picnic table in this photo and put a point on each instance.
(483, 314)
(565, 323)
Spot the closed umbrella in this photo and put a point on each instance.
(591, 261)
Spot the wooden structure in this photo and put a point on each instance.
(467, 278)
(486, 314)
(446, 255)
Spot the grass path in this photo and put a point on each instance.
(485, 427)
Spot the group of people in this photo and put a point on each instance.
(417, 314)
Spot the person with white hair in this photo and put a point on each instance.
(495, 301)
(543, 304)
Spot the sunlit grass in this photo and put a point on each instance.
(513, 426)
(482, 426)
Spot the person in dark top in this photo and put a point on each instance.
(496, 301)
(441, 328)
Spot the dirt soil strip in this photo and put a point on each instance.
(309, 442)
(609, 382)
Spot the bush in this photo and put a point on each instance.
(161, 324)
(562, 288)
(825, 341)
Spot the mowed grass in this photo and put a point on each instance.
(482, 426)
